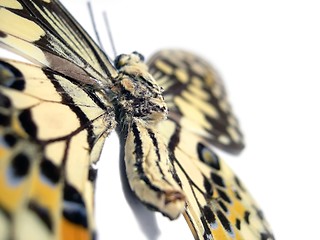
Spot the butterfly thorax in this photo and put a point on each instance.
(137, 93)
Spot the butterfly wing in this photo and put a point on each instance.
(51, 132)
(46, 33)
(196, 98)
(218, 205)
(54, 121)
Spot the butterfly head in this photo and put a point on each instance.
(140, 95)
(128, 59)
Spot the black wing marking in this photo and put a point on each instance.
(196, 98)
(46, 33)
(51, 135)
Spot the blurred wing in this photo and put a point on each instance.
(218, 205)
(46, 33)
(51, 135)
(196, 98)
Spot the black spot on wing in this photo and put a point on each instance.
(11, 77)
(74, 208)
(238, 224)
(208, 186)
(223, 206)
(225, 223)
(42, 213)
(217, 179)
(207, 235)
(27, 123)
(10, 139)
(224, 196)
(50, 171)
(4, 120)
(20, 165)
(246, 217)
(5, 102)
(207, 156)
(209, 215)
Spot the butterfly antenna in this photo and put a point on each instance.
(94, 25)
(106, 21)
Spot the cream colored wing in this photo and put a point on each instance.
(196, 98)
(46, 33)
(51, 134)
(218, 206)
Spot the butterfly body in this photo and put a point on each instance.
(55, 116)
(140, 107)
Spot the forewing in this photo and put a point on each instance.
(46, 33)
(51, 134)
(196, 98)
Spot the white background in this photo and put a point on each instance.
(268, 53)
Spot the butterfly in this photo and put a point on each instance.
(55, 115)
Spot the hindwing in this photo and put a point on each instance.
(197, 98)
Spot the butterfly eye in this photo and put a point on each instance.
(117, 61)
(141, 57)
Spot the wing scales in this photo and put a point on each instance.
(46, 33)
(218, 206)
(196, 97)
(217, 202)
(46, 143)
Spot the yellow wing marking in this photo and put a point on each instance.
(45, 149)
(211, 189)
(71, 231)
